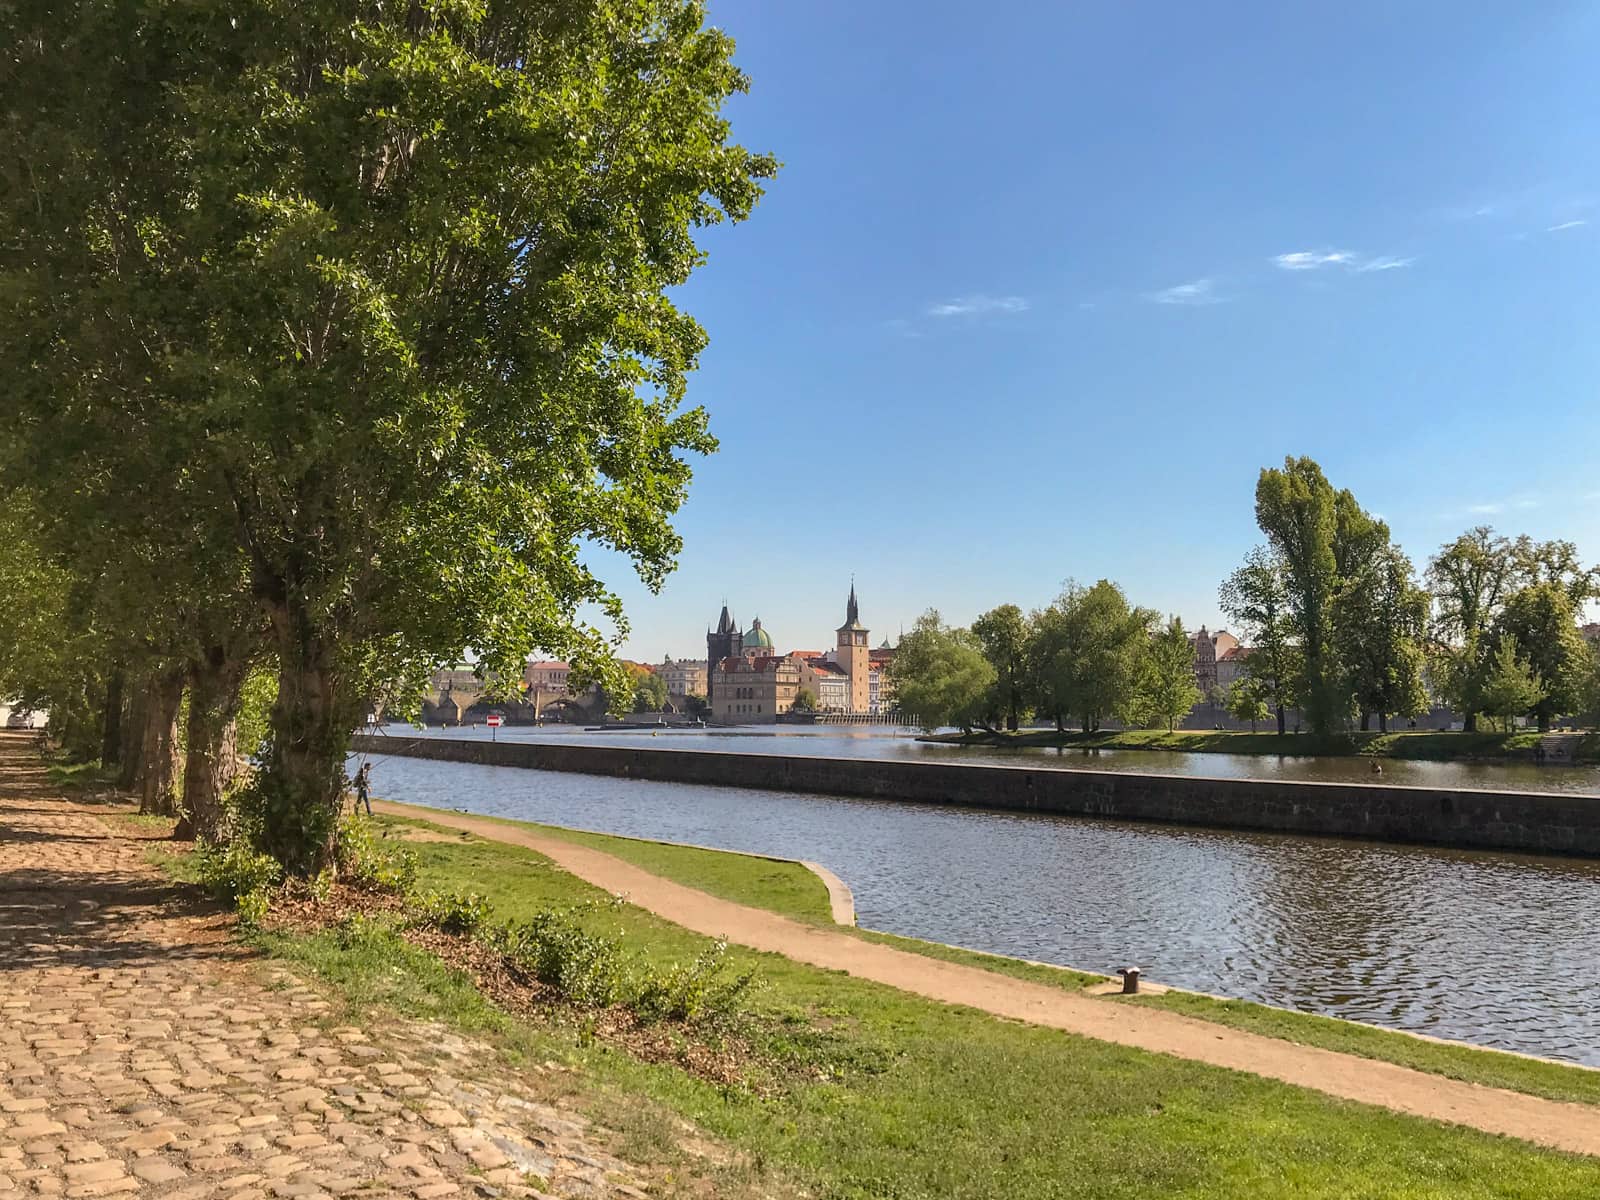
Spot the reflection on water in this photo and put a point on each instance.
(884, 742)
(1503, 950)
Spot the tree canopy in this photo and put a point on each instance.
(941, 676)
(383, 309)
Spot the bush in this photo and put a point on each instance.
(697, 993)
(366, 863)
(452, 912)
(554, 949)
(234, 870)
(241, 877)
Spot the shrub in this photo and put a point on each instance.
(452, 912)
(366, 863)
(554, 949)
(697, 993)
(253, 907)
(240, 876)
(235, 870)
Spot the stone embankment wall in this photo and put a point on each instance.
(1525, 821)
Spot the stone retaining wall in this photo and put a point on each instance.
(1527, 821)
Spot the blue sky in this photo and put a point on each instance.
(1037, 294)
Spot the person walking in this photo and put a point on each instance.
(364, 788)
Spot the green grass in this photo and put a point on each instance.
(744, 879)
(775, 884)
(925, 1100)
(1534, 1076)
(779, 886)
(1422, 744)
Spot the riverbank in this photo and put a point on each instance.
(1520, 746)
(1543, 823)
(791, 889)
(874, 1092)
(886, 1093)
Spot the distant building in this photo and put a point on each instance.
(750, 690)
(725, 642)
(826, 681)
(851, 679)
(757, 642)
(684, 676)
(1232, 666)
(1209, 650)
(547, 677)
(853, 655)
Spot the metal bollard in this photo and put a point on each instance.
(1130, 980)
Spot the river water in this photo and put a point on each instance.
(1498, 949)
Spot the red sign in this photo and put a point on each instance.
(494, 720)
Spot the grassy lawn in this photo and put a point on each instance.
(918, 1099)
(1422, 744)
(790, 889)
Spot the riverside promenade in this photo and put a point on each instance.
(144, 1051)
(1565, 1126)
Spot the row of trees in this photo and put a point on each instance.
(330, 345)
(1339, 628)
(1088, 657)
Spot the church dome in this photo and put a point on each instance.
(757, 637)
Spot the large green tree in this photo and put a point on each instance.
(1257, 598)
(941, 676)
(1380, 622)
(1327, 543)
(1510, 686)
(392, 288)
(1003, 634)
(1167, 688)
(1087, 654)
(1295, 508)
(1469, 579)
(1542, 622)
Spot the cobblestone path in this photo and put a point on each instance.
(143, 1052)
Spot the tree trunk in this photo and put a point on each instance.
(111, 727)
(1281, 724)
(302, 783)
(1383, 722)
(1366, 720)
(212, 759)
(131, 777)
(1469, 722)
(158, 790)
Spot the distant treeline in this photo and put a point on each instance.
(1336, 621)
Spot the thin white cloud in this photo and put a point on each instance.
(1385, 262)
(978, 306)
(1565, 225)
(1315, 260)
(1311, 260)
(1198, 291)
(1495, 507)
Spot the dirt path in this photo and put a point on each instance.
(1572, 1127)
(144, 1051)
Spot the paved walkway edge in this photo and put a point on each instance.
(1557, 1124)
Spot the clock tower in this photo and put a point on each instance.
(854, 656)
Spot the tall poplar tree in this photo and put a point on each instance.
(390, 285)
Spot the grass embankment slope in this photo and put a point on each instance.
(902, 1097)
(1422, 744)
(788, 888)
